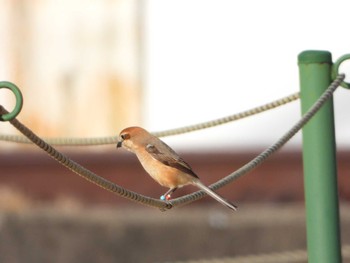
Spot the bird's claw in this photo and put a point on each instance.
(166, 197)
(167, 207)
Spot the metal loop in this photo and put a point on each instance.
(19, 101)
(335, 70)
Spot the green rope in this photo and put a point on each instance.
(112, 187)
(113, 139)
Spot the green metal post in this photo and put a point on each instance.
(319, 158)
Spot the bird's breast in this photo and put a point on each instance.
(165, 175)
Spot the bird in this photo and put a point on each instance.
(162, 163)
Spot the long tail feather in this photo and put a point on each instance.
(215, 195)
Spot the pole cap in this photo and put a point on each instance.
(314, 56)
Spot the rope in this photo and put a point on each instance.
(229, 118)
(269, 151)
(83, 172)
(195, 127)
(295, 256)
(114, 188)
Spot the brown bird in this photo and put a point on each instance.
(162, 163)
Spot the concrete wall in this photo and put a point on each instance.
(95, 234)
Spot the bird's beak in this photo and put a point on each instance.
(119, 144)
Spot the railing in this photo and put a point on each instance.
(319, 78)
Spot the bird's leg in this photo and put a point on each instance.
(167, 195)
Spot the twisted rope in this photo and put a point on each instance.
(269, 151)
(230, 118)
(114, 188)
(195, 127)
(82, 171)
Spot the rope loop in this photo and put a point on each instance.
(19, 101)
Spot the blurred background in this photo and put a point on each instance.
(90, 69)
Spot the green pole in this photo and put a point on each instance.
(319, 158)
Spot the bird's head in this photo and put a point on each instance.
(132, 137)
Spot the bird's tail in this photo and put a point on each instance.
(215, 195)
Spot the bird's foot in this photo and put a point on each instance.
(167, 195)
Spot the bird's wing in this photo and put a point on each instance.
(169, 157)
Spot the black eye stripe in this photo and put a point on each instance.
(125, 136)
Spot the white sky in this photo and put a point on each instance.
(206, 59)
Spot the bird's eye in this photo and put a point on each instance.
(125, 136)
